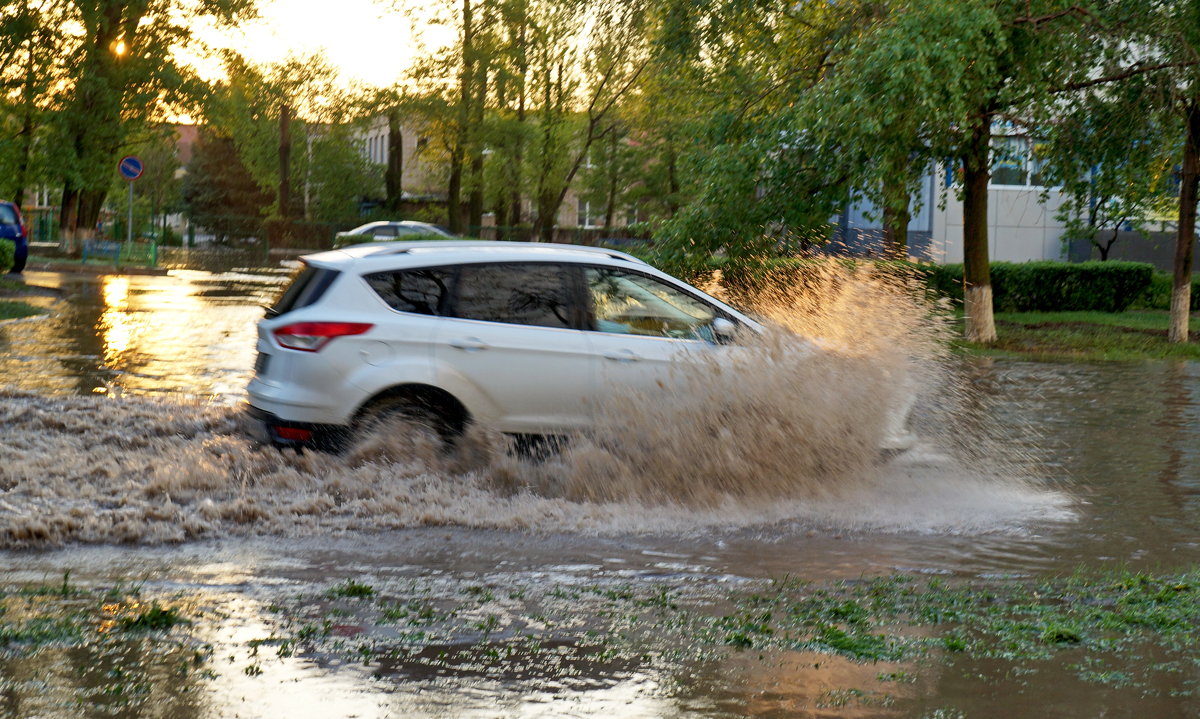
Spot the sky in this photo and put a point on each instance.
(366, 39)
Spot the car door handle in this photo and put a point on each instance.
(622, 356)
(469, 344)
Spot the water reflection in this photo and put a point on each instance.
(188, 332)
(116, 324)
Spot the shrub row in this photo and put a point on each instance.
(8, 254)
(1158, 295)
(1044, 286)
(1049, 286)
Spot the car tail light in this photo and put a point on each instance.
(312, 336)
(294, 433)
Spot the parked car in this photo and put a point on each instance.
(387, 231)
(521, 337)
(12, 227)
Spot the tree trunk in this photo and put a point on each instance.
(90, 204)
(673, 184)
(610, 199)
(895, 224)
(27, 109)
(393, 177)
(25, 158)
(514, 212)
(1181, 291)
(454, 194)
(67, 213)
(977, 277)
(285, 161)
(478, 100)
(458, 152)
(610, 204)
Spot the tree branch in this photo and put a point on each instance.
(1137, 68)
(1076, 10)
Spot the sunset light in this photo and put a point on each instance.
(370, 42)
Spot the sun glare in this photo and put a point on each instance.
(368, 41)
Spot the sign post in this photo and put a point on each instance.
(131, 169)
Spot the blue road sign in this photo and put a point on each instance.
(130, 167)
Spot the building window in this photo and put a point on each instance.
(1015, 162)
(586, 219)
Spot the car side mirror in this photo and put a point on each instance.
(724, 330)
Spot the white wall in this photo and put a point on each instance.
(1020, 227)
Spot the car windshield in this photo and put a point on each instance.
(8, 215)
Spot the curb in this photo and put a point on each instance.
(79, 267)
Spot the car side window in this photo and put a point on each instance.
(384, 231)
(629, 303)
(515, 293)
(422, 292)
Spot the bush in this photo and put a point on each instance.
(1158, 294)
(1049, 286)
(8, 254)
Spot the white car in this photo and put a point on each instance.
(390, 231)
(520, 337)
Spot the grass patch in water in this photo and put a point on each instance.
(351, 588)
(10, 310)
(153, 618)
(1100, 626)
(101, 651)
(1088, 336)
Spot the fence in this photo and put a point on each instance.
(565, 235)
(120, 254)
(216, 257)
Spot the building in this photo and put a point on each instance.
(1022, 220)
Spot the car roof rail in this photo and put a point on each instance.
(372, 249)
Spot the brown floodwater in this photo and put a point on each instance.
(124, 462)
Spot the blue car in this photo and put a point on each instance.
(12, 227)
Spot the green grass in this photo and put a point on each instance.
(1089, 336)
(13, 309)
(16, 310)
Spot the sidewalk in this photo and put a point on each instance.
(41, 265)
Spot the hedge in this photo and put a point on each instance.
(1158, 295)
(8, 254)
(1043, 286)
(1049, 286)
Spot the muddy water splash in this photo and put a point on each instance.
(781, 431)
(781, 415)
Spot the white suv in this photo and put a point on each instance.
(520, 337)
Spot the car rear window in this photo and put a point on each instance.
(8, 215)
(515, 293)
(424, 292)
(305, 287)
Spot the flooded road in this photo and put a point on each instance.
(187, 333)
(315, 575)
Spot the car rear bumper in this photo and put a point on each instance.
(269, 428)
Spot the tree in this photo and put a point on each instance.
(326, 175)
(1109, 164)
(929, 83)
(528, 88)
(120, 73)
(28, 69)
(220, 193)
(723, 103)
(1167, 34)
(160, 184)
(1132, 124)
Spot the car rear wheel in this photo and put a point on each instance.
(398, 424)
